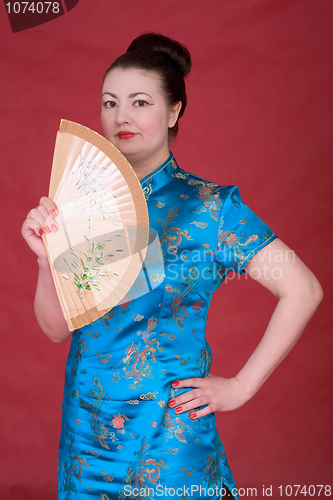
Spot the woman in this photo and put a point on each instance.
(139, 403)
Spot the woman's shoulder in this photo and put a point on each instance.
(204, 186)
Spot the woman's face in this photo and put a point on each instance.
(135, 116)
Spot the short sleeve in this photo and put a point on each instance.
(241, 233)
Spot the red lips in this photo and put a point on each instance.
(125, 134)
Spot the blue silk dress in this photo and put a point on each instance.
(119, 438)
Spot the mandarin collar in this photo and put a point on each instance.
(159, 177)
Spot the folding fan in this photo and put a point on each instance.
(99, 248)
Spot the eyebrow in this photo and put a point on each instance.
(134, 94)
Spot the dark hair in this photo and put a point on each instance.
(167, 57)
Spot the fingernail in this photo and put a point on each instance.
(47, 229)
(54, 227)
(53, 213)
(178, 409)
(174, 384)
(193, 415)
(172, 403)
(40, 232)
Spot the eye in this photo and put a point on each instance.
(109, 104)
(141, 103)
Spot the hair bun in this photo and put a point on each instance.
(176, 52)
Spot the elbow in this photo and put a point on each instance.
(314, 293)
(318, 293)
(57, 336)
(57, 340)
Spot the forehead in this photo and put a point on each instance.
(132, 80)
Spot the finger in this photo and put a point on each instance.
(188, 382)
(42, 210)
(41, 215)
(195, 395)
(31, 227)
(49, 224)
(194, 403)
(201, 413)
(36, 219)
(49, 205)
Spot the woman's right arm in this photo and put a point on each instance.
(47, 307)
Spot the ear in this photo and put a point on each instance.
(174, 113)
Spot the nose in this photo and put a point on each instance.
(123, 114)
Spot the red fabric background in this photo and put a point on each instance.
(259, 116)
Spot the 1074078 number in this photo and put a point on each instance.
(312, 490)
(32, 7)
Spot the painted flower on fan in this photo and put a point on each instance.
(109, 274)
(100, 246)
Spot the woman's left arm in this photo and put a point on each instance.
(277, 268)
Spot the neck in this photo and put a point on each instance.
(144, 168)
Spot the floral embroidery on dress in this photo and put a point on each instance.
(204, 362)
(145, 470)
(178, 306)
(118, 422)
(147, 190)
(175, 427)
(107, 477)
(209, 194)
(158, 204)
(103, 359)
(202, 225)
(212, 469)
(73, 466)
(94, 408)
(236, 244)
(136, 364)
(180, 175)
(173, 241)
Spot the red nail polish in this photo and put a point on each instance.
(40, 232)
(53, 213)
(178, 409)
(174, 384)
(193, 415)
(172, 403)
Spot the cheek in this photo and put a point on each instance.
(106, 125)
(155, 125)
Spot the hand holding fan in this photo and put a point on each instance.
(98, 250)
